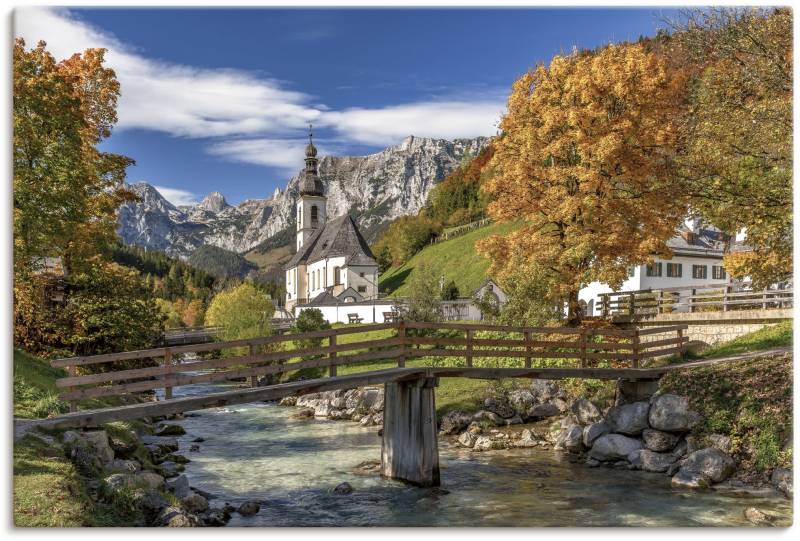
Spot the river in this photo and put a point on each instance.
(257, 452)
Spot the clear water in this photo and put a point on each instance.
(256, 451)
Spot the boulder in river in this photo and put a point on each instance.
(629, 419)
(542, 411)
(710, 463)
(343, 488)
(757, 517)
(194, 502)
(454, 422)
(521, 400)
(613, 447)
(149, 501)
(179, 486)
(249, 508)
(546, 390)
(571, 439)
(659, 441)
(585, 411)
(499, 406)
(467, 439)
(655, 462)
(123, 466)
(593, 431)
(687, 479)
(170, 430)
(671, 413)
(489, 417)
(782, 480)
(175, 517)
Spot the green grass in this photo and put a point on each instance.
(35, 391)
(456, 259)
(750, 401)
(774, 336)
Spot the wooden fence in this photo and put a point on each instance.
(692, 299)
(164, 368)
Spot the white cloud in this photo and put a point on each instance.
(178, 197)
(252, 119)
(437, 119)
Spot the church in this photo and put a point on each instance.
(333, 263)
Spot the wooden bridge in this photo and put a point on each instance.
(404, 360)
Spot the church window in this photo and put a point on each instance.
(299, 217)
(337, 275)
(362, 289)
(314, 215)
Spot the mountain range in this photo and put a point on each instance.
(375, 189)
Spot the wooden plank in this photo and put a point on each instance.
(543, 373)
(93, 418)
(488, 342)
(635, 359)
(332, 356)
(252, 351)
(178, 380)
(469, 342)
(507, 328)
(137, 373)
(657, 330)
(401, 335)
(528, 349)
(439, 352)
(168, 368)
(661, 352)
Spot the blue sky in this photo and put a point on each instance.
(219, 99)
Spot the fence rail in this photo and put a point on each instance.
(692, 299)
(163, 368)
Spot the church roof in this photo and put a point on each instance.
(338, 238)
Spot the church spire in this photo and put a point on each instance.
(310, 184)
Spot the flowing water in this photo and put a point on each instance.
(257, 452)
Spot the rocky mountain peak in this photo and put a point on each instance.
(213, 202)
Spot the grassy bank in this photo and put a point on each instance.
(774, 336)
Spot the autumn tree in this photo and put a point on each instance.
(738, 164)
(242, 312)
(66, 191)
(585, 160)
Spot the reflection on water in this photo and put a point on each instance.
(256, 451)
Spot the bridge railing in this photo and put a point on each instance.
(164, 368)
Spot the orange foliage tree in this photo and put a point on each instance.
(585, 161)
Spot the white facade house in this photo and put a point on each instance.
(331, 257)
(696, 261)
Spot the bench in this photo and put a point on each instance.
(354, 318)
(390, 317)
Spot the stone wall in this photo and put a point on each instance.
(710, 328)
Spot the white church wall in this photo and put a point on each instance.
(364, 277)
(368, 312)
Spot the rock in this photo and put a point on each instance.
(561, 404)
(151, 502)
(499, 406)
(710, 463)
(323, 409)
(628, 419)
(585, 411)
(216, 517)
(170, 430)
(85, 460)
(719, 441)
(687, 479)
(198, 440)
(488, 416)
(659, 441)
(526, 439)
(635, 459)
(757, 517)
(305, 413)
(288, 401)
(368, 467)
(175, 517)
(671, 413)
(170, 469)
(467, 439)
(160, 445)
(194, 502)
(339, 403)
(486, 443)
(123, 466)
(593, 431)
(179, 486)
(249, 508)
(338, 415)
(454, 422)
(513, 420)
(124, 448)
(70, 436)
(782, 479)
(545, 390)
(571, 439)
(194, 448)
(475, 428)
(613, 446)
(149, 480)
(681, 449)
(673, 468)
(655, 462)
(592, 463)
(343, 488)
(542, 411)
(98, 441)
(521, 400)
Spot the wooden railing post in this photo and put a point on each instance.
(401, 334)
(252, 352)
(605, 302)
(660, 302)
(584, 360)
(469, 348)
(528, 349)
(681, 345)
(692, 294)
(632, 304)
(72, 371)
(332, 356)
(764, 300)
(725, 298)
(636, 348)
(168, 364)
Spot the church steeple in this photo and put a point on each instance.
(310, 184)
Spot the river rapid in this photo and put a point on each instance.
(257, 452)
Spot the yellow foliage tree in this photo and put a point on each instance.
(585, 161)
(242, 312)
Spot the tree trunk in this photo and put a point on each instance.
(574, 312)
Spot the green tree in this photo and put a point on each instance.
(242, 312)
(450, 291)
(424, 299)
(310, 320)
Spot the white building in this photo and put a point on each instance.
(332, 260)
(697, 260)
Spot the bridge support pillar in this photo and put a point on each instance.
(635, 390)
(410, 451)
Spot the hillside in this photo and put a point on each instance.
(456, 259)
(220, 263)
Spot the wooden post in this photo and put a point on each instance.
(469, 348)
(409, 448)
(681, 345)
(605, 304)
(635, 341)
(332, 356)
(528, 350)
(253, 379)
(583, 337)
(72, 371)
(168, 364)
(632, 304)
(660, 302)
(764, 300)
(725, 298)
(401, 334)
(691, 300)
